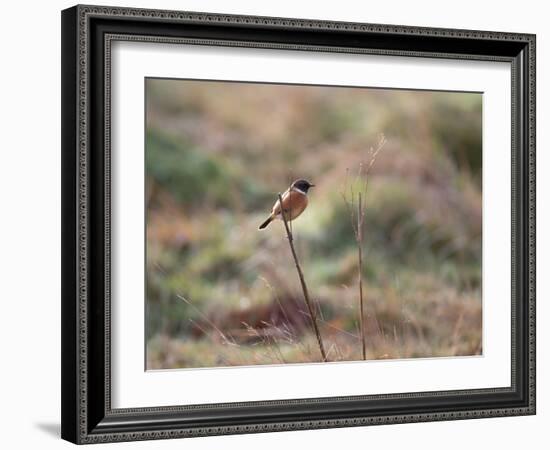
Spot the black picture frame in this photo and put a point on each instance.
(87, 415)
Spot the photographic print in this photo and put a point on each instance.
(306, 224)
(293, 201)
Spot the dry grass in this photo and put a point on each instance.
(397, 329)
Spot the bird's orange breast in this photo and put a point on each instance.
(294, 204)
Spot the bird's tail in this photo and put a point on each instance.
(266, 223)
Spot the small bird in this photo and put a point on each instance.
(294, 202)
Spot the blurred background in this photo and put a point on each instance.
(222, 293)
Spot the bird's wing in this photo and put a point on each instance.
(277, 206)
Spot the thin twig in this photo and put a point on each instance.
(303, 282)
(357, 217)
(328, 324)
(360, 270)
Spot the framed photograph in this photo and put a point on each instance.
(279, 224)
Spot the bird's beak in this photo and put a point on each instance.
(311, 185)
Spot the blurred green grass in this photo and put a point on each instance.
(216, 156)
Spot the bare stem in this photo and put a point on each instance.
(360, 270)
(309, 305)
(357, 218)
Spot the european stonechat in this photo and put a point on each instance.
(294, 202)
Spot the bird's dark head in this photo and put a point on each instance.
(302, 185)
